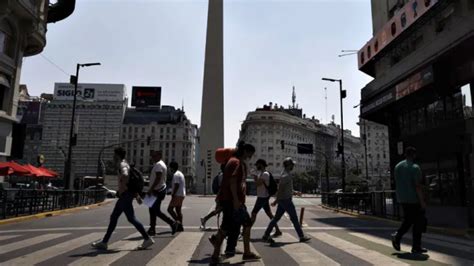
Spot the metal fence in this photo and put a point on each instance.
(377, 203)
(19, 202)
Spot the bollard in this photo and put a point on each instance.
(301, 216)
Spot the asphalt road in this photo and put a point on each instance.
(337, 239)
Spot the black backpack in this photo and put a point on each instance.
(135, 181)
(215, 184)
(272, 185)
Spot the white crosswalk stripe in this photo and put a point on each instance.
(53, 251)
(458, 244)
(115, 251)
(8, 237)
(303, 254)
(28, 242)
(179, 251)
(436, 256)
(362, 253)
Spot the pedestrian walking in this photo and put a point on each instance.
(215, 187)
(157, 188)
(177, 195)
(409, 191)
(232, 199)
(284, 198)
(124, 204)
(263, 180)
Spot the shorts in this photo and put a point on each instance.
(176, 201)
(261, 203)
(232, 219)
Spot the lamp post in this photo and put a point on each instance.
(72, 138)
(343, 163)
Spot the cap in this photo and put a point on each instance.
(288, 160)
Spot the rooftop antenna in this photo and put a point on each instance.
(326, 103)
(293, 97)
(182, 105)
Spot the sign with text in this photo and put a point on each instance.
(414, 83)
(89, 92)
(146, 96)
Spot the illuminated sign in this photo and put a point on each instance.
(89, 92)
(405, 17)
(146, 96)
(414, 83)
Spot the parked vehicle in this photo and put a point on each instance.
(109, 193)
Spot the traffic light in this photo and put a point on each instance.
(282, 144)
(343, 94)
(339, 149)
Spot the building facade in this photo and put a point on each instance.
(23, 26)
(423, 67)
(99, 114)
(165, 129)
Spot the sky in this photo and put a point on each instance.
(269, 46)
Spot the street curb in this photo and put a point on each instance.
(52, 213)
(469, 233)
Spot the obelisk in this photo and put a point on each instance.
(212, 109)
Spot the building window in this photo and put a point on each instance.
(136, 130)
(143, 130)
(173, 145)
(7, 40)
(174, 130)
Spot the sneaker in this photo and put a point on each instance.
(215, 260)
(151, 231)
(174, 228)
(419, 250)
(305, 239)
(146, 244)
(251, 256)
(229, 253)
(277, 234)
(99, 245)
(395, 241)
(203, 224)
(268, 239)
(180, 228)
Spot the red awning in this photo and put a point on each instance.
(37, 171)
(49, 171)
(12, 168)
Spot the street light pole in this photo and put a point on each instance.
(72, 138)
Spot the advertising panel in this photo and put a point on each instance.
(146, 96)
(89, 92)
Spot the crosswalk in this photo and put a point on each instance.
(192, 247)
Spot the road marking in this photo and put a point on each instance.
(302, 253)
(179, 251)
(28, 242)
(8, 237)
(449, 239)
(237, 259)
(53, 251)
(362, 253)
(102, 228)
(436, 256)
(446, 244)
(115, 251)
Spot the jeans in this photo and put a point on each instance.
(285, 205)
(124, 204)
(155, 210)
(412, 215)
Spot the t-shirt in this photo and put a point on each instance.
(159, 167)
(178, 180)
(285, 186)
(233, 169)
(407, 176)
(262, 191)
(124, 168)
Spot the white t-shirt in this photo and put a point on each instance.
(124, 168)
(262, 191)
(178, 180)
(159, 167)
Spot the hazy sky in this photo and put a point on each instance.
(269, 46)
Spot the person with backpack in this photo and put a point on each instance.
(124, 204)
(157, 188)
(266, 187)
(216, 183)
(178, 192)
(284, 198)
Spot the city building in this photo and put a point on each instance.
(376, 148)
(99, 114)
(267, 127)
(165, 129)
(421, 59)
(23, 27)
(212, 105)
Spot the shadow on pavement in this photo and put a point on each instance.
(411, 256)
(94, 253)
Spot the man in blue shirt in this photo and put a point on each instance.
(410, 196)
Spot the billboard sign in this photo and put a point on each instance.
(89, 92)
(146, 96)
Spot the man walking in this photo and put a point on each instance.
(284, 198)
(157, 188)
(409, 192)
(217, 208)
(124, 204)
(262, 181)
(177, 195)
